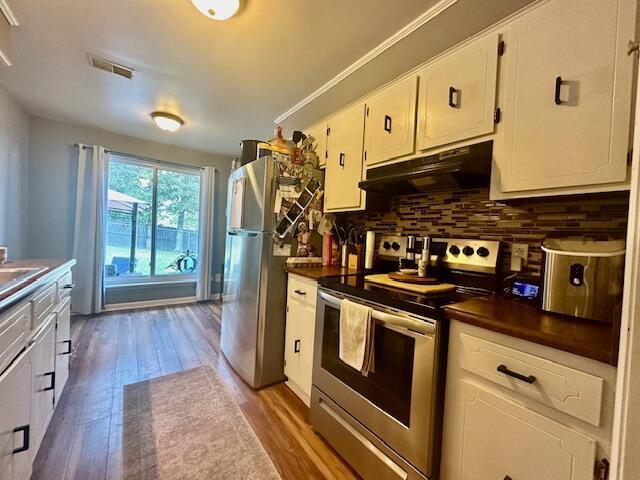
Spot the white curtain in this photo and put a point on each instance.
(207, 182)
(89, 239)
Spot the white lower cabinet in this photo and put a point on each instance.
(552, 421)
(15, 423)
(501, 440)
(299, 335)
(43, 383)
(35, 347)
(63, 346)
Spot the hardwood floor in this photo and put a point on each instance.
(84, 439)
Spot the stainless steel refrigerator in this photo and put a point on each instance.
(254, 294)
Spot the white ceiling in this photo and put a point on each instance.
(228, 80)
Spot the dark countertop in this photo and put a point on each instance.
(22, 289)
(316, 273)
(516, 318)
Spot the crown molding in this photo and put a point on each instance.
(5, 59)
(405, 31)
(8, 13)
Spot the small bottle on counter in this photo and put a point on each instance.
(423, 263)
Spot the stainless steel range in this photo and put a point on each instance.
(387, 424)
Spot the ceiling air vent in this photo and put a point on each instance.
(111, 67)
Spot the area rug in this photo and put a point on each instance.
(188, 426)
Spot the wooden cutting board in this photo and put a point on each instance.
(401, 277)
(383, 279)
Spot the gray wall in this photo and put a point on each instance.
(52, 183)
(14, 143)
(462, 20)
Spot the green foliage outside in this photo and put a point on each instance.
(178, 194)
(178, 207)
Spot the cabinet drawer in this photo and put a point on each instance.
(568, 390)
(65, 284)
(43, 303)
(302, 290)
(14, 331)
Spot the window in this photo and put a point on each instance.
(153, 218)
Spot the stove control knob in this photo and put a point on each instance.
(395, 246)
(454, 250)
(386, 245)
(483, 252)
(468, 251)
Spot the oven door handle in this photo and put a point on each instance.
(424, 328)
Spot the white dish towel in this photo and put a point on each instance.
(356, 335)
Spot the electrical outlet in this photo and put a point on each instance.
(519, 256)
(217, 278)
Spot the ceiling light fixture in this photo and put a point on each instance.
(167, 121)
(217, 9)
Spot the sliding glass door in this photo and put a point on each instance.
(153, 218)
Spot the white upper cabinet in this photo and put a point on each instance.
(390, 122)
(344, 161)
(567, 96)
(457, 98)
(319, 133)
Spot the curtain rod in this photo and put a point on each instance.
(140, 157)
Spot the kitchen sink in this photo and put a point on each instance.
(10, 277)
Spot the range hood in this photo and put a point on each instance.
(465, 167)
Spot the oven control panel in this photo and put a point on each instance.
(393, 247)
(471, 255)
(454, 253)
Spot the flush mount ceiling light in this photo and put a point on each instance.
(217, 9)
(167, 121)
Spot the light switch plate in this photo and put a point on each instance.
(519, 256)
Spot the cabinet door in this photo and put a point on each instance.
(457, 97)
(15, 421)
(299, 335)
(63, 347)
(307, 322)
(344, 161)
(319, 132)
(42, 381)
(500, 439)
(391, 122)
(292, 342)
(568, 96)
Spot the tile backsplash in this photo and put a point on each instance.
(470, 214)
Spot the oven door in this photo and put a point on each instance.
(397, 400)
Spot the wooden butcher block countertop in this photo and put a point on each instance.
(521, 319)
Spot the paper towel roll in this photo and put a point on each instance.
(370, 247)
